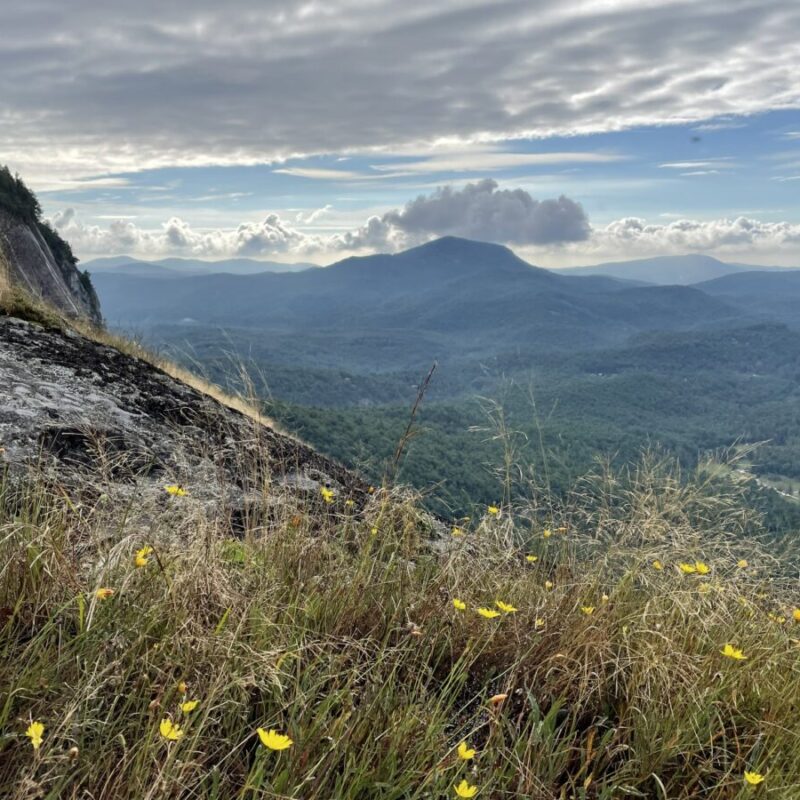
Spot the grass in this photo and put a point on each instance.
(348, 642)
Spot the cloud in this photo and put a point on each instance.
(478, 211)
(89, 90)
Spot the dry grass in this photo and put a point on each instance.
(349, 642)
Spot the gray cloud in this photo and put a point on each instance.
(91, 88)
(483, 211)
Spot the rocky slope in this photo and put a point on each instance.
(29, 260)
(110, 425)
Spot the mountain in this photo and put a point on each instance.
(34, 257)
(665, 270)
(771, 295)
(448, 296)
(176, 267)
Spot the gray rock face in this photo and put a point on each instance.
(107, 423)
(33, 266)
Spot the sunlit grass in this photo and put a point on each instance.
(321, 660)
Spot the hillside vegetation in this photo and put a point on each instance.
(637, 642)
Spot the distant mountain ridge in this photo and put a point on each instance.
(684, 270)
(179, 267)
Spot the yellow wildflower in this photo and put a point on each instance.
(702, 568)
(588, 610)
(496, 699)
(349, 503)
(373, 531)
(657, 565)
(463, 789)
(539, 622)
(604, 598)
(104, 593)
(776, 618)
(753, 778)
(327, 494)
(494, 511)
(175, 490)
(34, 733)
(733, 652)
(457, 531)
(465, 752)
(182, 687)
(371, 490)
(531, 559)
(742, 563)
(189, 705)
(796, 615)
(141, 558)
(547, 533)
(488, 613)
(274, 740)
(687, 569)
(506, 608)
(548, 585)
(459, 605)
(169, 730)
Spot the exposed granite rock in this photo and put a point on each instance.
(32, 264)
(103, 422)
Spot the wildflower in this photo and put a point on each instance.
(776, 618)
(373, 531)
(494, 511)
(327, 494)
(742, 563)
(182, 687)
(274, 740)
(349, 503)
(141, 558)
(796, 615)
(539, 622)
(371, 490)
(506, 608)
(463, 789)
(104, 593)
(169, 730)
(34, 733)
(702, 568)
(488, 613)
(687, 569)
(588, 610)
(531, 559)
(457, 531)
(604, 598)
(733, 652)
(547, 533)
(657, 565)
(465, 752)
(189, 705)
(459, 605)
(753, 778)
(548, 585)
(175, 490)
(496, 699)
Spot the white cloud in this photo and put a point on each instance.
(87, 89)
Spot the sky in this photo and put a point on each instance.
(574, 131)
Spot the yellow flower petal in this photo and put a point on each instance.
(459, 605)
(588, 610)
(531, 559)
(35, 733)
(457, 531)
(464, 789)
(657, 565)
(753, 778)
(732, 652)
(493, 510)
(465, 752)
(189, 705)
(274, 740)
(506, 608)
(687, 569)
(169, 730)
(182, 687)
(547, 533)
(742, 563)
(104, 593)
(488, 613)
(175, 490)
(548, 585)
(796, 615)
(701, 568)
